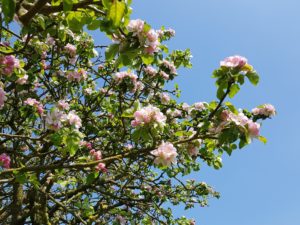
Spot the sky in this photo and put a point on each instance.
(259, 184)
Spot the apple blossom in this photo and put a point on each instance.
(149, 70)
(136, 26)
(74, 119)
(5, 161)
(101, 167)
(8, 64)
(165, 98)
(36, 104)
(265, 110)
(55, 118)
(234, 61)
(165, 154)
(63, 105)
(22, 80)
(147, 115)
(169, 65)
(71, 50)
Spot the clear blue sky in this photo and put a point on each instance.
(259, 185)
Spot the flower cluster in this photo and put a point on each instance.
(3, 97)
(148, 39)
(101, 167)
(265, 110)
(149, 70)
(5, 160)
(119, 77)
(147, 115)
(8, 64)
(22, 80)
(166, 33)
(97, 155)
(242, 120)
(77, 76)
(73, 119)
(234, 61)
(169, 65)
(71, 50)
(165, 154)
(36, 104)
(55, 119)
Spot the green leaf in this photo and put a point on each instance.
(253, 77)
(91, 177)
(8, 8)
(106, 3)
(147, 59)
(94, 25)
(75, 21)
(41, 21)
(21, 177)
(234, 89)
(67, 5)
(111, 51)
(136, 135)
(263, 139)
(220, 92)
(116, 12)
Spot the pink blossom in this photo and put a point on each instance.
(63, 105)
(174, 113)
(71, 50)
(22, 80)
(74, 119)
(36, 104)
(164, 75)
(168, 32)
(136, 26)
(242, 120)
(5, 160)
(8, 64)
(101, 167)
(165, 98)
(152, 43)
(120, 76)
(3, 97)
(200, 106)
(147, 115)
(97, 155)
(169, 65)
(186, 107)
(149, 70)
(266, 110)
(50, 40)
(88, 91)
(234, 61)
(77, 76)
(165, 154)
(225, 115)
(193, 151)
(253, 128)
(55, 118)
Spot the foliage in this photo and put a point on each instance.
(89, 134)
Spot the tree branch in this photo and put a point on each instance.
(25, 19)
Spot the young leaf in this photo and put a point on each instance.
(234, 89)
(116, 12)
(8, 8)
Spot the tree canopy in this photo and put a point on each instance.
(89, 134)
